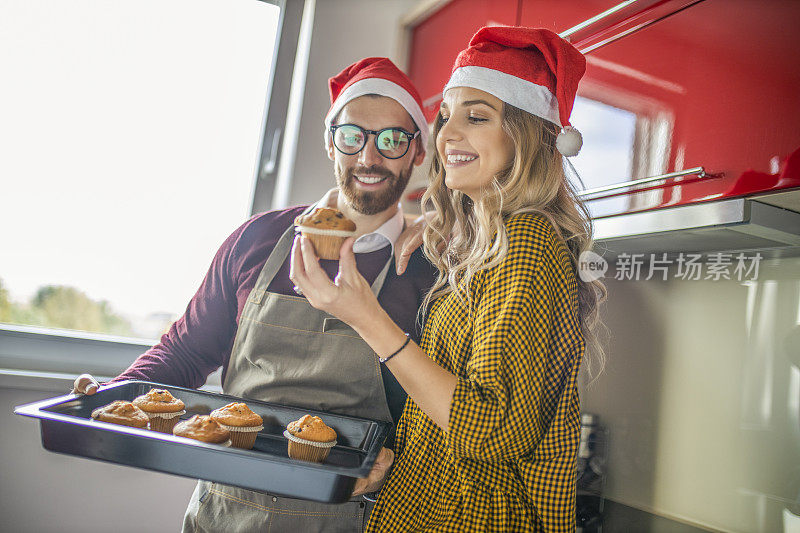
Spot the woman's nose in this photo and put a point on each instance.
(450, 131)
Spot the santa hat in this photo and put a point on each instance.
(530, 68)
(375, 75)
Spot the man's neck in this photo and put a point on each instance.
(364, 223)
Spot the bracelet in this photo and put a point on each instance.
(371, 497)
(384, 359)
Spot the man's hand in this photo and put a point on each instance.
(85, 384)
(376, 476)
(407, 242)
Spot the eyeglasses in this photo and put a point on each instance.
(392, 143)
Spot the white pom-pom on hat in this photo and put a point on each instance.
(569, 141)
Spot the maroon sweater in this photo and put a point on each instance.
(201, 340)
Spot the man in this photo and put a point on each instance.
(271, 344)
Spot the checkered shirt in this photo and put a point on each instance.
(508, 461)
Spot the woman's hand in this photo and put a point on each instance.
(377, 475)
(349, 297)
(407, 242)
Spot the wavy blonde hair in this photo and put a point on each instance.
(464, 237)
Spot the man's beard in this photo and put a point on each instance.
(369, 202)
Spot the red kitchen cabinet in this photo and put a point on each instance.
(558, 15)
(713, 85)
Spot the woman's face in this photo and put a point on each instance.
(472, 143)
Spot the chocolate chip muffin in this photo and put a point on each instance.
(327, 229)
(310, 439)
(123, 413)
(203, 428)
(242, 423)
(162, 407)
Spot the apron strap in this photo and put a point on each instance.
(279, 254)
(284, 247)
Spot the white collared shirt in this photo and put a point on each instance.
(386, 234)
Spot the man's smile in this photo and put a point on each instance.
(369, 179)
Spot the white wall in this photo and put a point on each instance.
(344, 32)
(701, 396)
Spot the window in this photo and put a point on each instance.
(130, 139)
(606, 156)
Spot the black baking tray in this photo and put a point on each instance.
(67, 427)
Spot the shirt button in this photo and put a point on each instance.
(274, 499)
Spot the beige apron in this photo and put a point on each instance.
(287, 352)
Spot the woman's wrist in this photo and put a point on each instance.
(381, 333)
(371, 320)
(397, 351)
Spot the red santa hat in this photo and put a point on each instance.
(375, 75)
(530, 68)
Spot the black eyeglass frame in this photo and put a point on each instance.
(366, 132)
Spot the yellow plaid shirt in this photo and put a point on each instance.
(508, 460)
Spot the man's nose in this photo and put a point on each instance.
(369, 155)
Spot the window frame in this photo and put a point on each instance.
(278, 97)
(30, 353)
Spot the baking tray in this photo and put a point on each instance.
(67, 427)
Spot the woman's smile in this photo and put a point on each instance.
(459, 158)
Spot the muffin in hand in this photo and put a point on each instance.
(310, 439)
(242, 423)
(123, 413)
(162, 407)
(327, 229)
(203, 428)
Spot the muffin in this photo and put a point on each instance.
(242, 423)
(327, 229)
(204, 429)
(162, 407)
(310, 439)
(123, 413)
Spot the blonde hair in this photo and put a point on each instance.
(464, 237)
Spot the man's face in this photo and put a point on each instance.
(370, 182)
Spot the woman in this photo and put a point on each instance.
(489, 437)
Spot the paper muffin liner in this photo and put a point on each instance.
(164, 422)
(308, 450)
(320, 231)
(166, 415)
(327, 243)
(243, 436)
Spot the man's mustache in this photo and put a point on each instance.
(374, 170)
